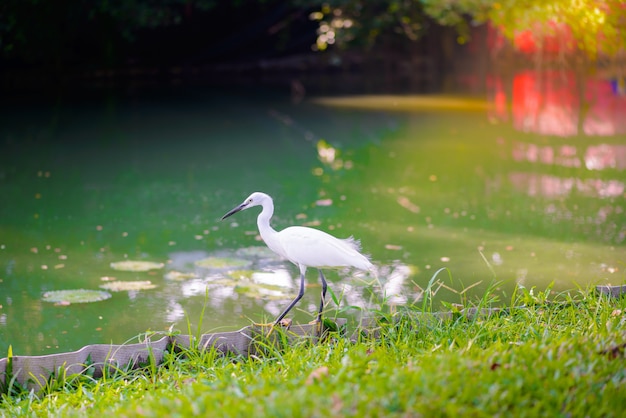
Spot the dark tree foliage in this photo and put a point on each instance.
(373, 21)
(596, 27)
(60, 33)
(39, 22)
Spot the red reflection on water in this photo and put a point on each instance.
(607, 110)
(545, 103)
(546, 185)
(498, 108)
(564, 155)
(600, 157)
(552, 103)
(594, 157)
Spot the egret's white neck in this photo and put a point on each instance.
(269, 235)
(263, 220)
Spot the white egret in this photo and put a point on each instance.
(303, 246)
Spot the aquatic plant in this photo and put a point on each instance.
(130, 265)
(121, 286)
(66, 297)
(179, 276)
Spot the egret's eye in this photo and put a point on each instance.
(249, 200)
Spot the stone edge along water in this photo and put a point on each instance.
(35, 371)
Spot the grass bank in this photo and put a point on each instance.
(546, 355)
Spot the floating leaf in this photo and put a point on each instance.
(222, 263)
(393, 247)
(121, 286)
(324, 202)
(177, 275)
(129, 265)
(64, 297)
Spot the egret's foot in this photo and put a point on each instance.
(285, 323)
(318, 328)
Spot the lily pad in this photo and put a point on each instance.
(121, 286)
(223, 263)
(130, 265)
(65, 297)
(177, 275)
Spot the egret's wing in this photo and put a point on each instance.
(315, 248)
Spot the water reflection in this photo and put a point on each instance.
(174, 311)
(279, 277)
(548, 185)
(593, 157)
(394, 286)
(560, 103)
(603, 156)
(270, 284)
(586, 115)
(564, 191)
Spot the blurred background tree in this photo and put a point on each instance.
(61, 33)
(591, 26)
(65, 30)
(349, 22)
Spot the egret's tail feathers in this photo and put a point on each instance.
(360, 261)
(365, 263)
(353, 243)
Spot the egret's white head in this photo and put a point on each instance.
(255, 199)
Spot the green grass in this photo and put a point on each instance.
(559, 355)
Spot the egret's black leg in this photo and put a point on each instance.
(323, 300)
(292, 304)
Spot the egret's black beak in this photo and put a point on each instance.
(235, 210)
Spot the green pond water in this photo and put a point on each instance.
(84, 184)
